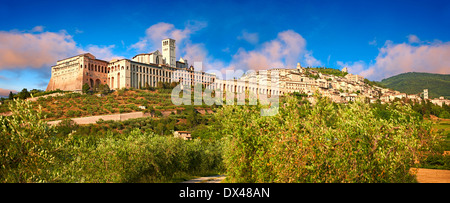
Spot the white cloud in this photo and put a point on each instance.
(35, 50)
(103, 52)
(5, 92)
(193, 52)
(38, 29)
(394, 59)
(38, 49)
(252, 38)
(373, 42)
(413, 39)
(157, 32)
(309, 60)
(282, 52)
(357, 67)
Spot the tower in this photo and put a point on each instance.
(345, 70)
(425, 94)
(299, 68)
(168, 51)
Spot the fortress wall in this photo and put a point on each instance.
(71, 82)
(71, 73)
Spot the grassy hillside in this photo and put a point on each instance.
(72, 105)
(414, 83)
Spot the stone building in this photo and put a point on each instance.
(71, 73)
(440, 101)
(354, 78)
(125, 73)
(142, 70)
(150, 58)
(185, 135)
(168, 52)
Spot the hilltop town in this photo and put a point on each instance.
(339, 86)
(149, 69)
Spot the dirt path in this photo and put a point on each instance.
(431, 175)
(423, 176)
(208, 179)
(94, 119)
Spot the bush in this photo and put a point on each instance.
(322, 143)
(32, 151)
(70, 113)
(436, 161)
(140, 156)
(26, 145)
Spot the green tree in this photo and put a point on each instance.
(85, 88)
(24, 94)
(26, 145)
(103, 89)
(444, 114)
(323, 142)
(174, 84)
(160, 128)
(192, 116)
(11, 95)
(160, 84)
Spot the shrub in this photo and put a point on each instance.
(26, 147)
(140, 156)
(322, 143)
(70, 113)
(436, 161)
(32, 151)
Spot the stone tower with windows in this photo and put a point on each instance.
(425, 94)
(168, 52)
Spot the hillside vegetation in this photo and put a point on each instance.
(324, 142)
(414, 83)
(72, 105)
(328, 71)
(32, 151)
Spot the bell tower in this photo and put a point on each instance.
(168, 52)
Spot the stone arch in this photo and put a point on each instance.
(97, 83)
(91, 83)
(112, 82)
(118, 80)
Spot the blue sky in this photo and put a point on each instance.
(376, 39)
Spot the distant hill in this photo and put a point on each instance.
(414, 83)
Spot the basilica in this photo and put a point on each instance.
(142, 70)
(149, 69)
